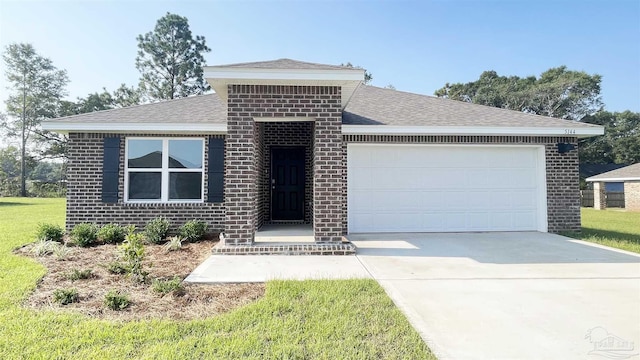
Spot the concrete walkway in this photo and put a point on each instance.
(483, 295)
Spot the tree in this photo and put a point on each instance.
(170, 60)
(620, 143)
(38, 88)
(367, 75)
(558, 92)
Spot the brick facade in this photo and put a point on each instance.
(84, 176)
(632, 195)
(563, 194)
(244, 163)
(599, 196)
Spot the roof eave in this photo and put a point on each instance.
(155, 128)
(613, 179)
(578, 132)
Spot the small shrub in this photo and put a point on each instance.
(75, 274)
(132, 253)
(111, 234)
(61, 252)
(114, 300)
(84, 234)
(156, 230)
(65, 296)
(118, 268)
(193, 230)
(174, 243)
(50, 232)
(44, 247)
(164, 287)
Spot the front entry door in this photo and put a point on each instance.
(287, 183)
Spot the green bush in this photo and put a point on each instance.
(50, 232)
(118, 268)
(111, 234)
(65, 296)
(84, 234)
(132, 253)
(156, 230)
(75, 274)
(114, 300)
(174, 243)
(164, 287)
(193, 230)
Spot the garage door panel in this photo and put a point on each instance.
(415, 188)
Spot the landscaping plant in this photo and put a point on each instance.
(50, 232)
(65, 296)
(156, 230)
(114, 300)
(193, 230)
(132, 253)
(44, 247)
(75, 274)
(84, 234)
(111, 234)
(61, 252)
(164, 287)
(174, 243)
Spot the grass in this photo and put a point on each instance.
(351, 319)
(614, 228)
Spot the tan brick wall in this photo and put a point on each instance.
(244, 205)
(563, 194)
(599, 196)
(632, 195)
(84, 176)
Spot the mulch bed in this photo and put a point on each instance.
(199, 301)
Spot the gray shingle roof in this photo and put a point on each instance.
(194, 109)
(628, 172)
(285, 64)
(371, 105)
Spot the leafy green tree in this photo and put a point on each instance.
(620, 143)
(558, 92)
(170, 60)
(367, 75)
(38, 87)
(126, 96)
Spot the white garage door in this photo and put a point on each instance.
(439, 188)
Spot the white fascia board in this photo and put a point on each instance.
(471, 130)
(65, 127)
(622, 179)
(284, 74)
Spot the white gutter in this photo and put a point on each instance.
(621, 179)
(66, 127)
(580, 132)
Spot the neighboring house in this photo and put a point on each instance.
(589, 170)
(290, 141)
(629, 175)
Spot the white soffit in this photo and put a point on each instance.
(219, 77)
(580, 132)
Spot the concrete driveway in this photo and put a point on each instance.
(510, 295)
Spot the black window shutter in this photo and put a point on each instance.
(110, 169)
(215, 187)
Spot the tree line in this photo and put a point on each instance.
(170, 60)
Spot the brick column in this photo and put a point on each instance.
(328, 168)
(632, 195)
(599, 196)
(240, 192)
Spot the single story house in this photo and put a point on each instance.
(629, 175)
(291, 141)
(589, 170)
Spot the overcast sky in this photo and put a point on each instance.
(417, 46)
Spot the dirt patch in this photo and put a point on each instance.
(198, 301)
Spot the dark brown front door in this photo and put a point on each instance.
(287, 183)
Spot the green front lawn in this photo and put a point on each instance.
(351, 319)
(615, 228)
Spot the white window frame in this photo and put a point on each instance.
(165, 171)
